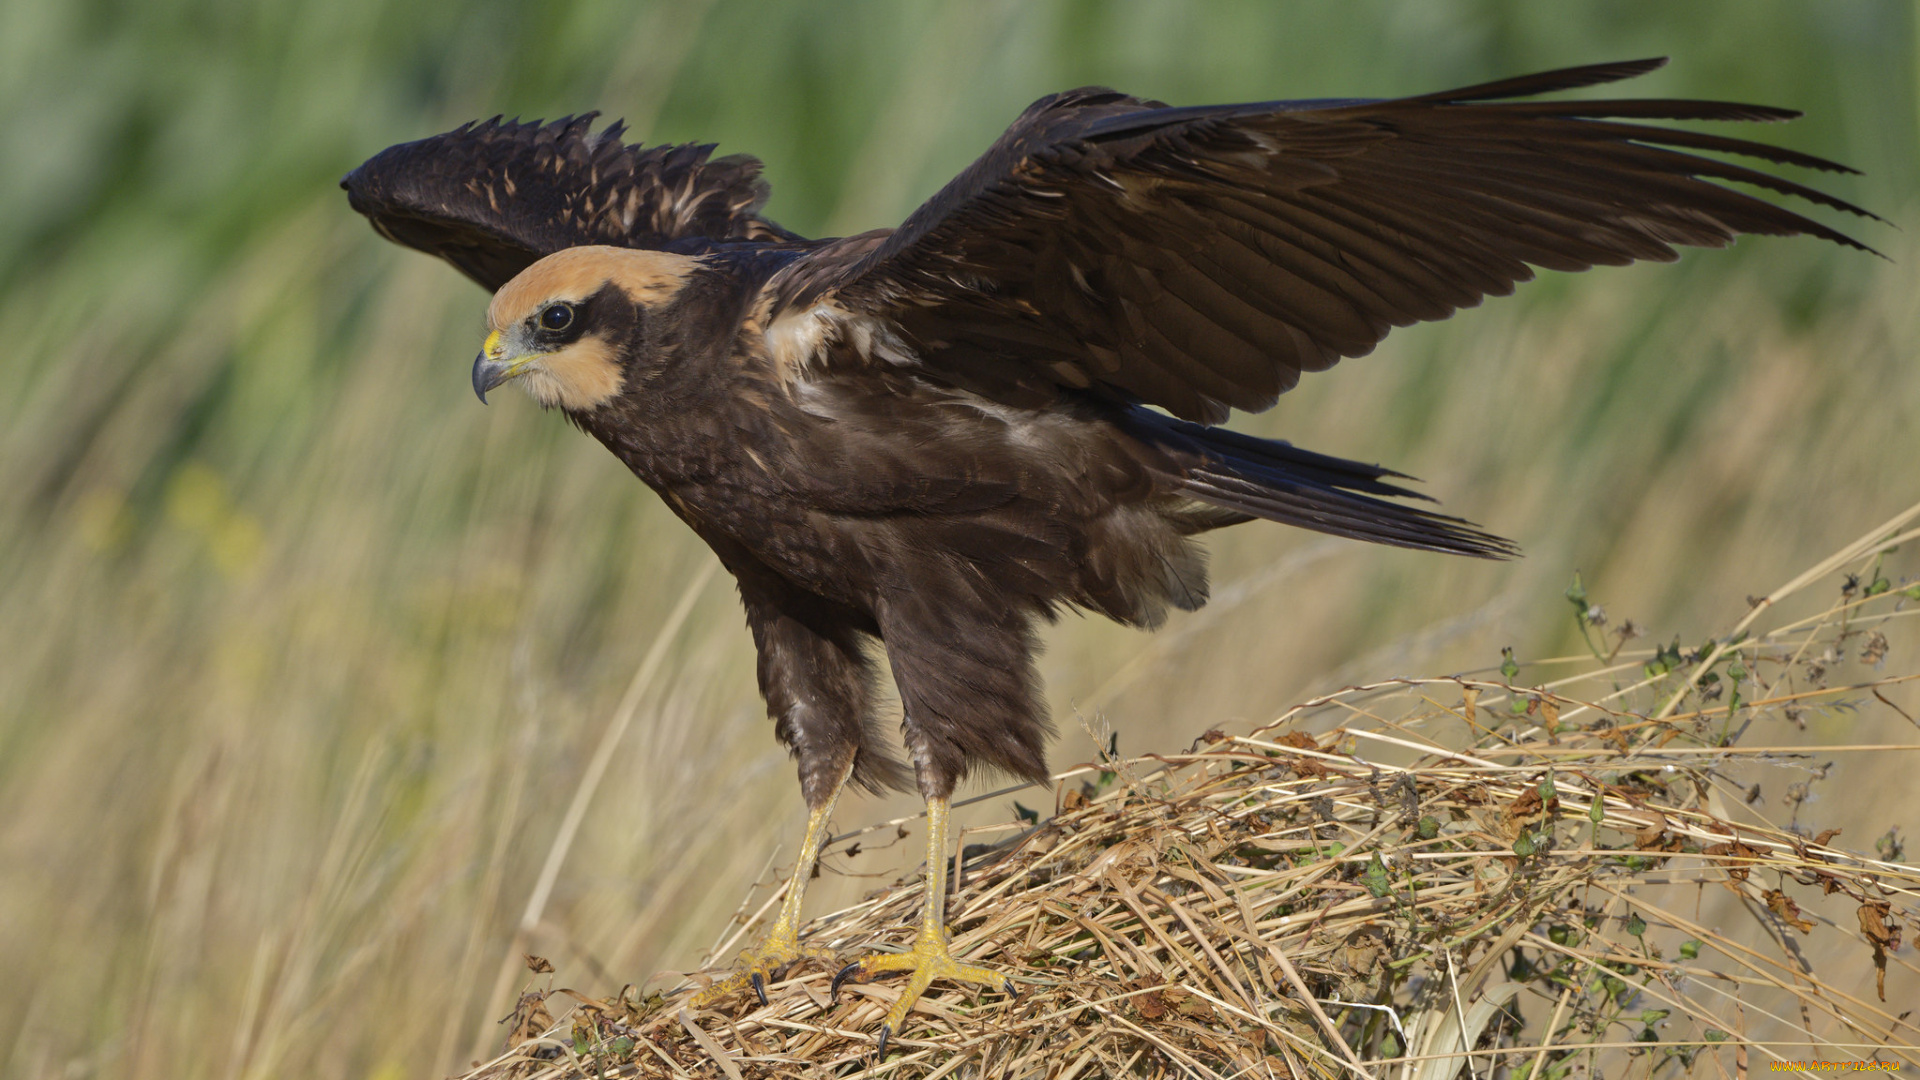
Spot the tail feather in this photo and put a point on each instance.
(1269, 479)
(1250, 454)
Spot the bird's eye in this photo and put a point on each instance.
(556, 317)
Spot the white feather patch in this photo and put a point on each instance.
(799, 340)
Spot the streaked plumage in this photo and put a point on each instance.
(934, 435)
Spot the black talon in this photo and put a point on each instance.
(886, 1032)
(839, 977)
(1007, 988)
(760, 989)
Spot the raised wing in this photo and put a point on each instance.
(492, 198)
(1200, 259)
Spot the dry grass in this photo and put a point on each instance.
(1458, 873)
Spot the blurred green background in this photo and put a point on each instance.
(303, 652)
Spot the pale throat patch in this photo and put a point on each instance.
(587, 373)
(579, 378)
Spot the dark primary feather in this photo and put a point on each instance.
(1201, 258)
(493, 197)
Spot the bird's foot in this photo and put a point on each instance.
(756, 967)
(929, 959)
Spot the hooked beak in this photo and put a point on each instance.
(491, 367)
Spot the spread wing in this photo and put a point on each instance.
(1200, 259)
(492, 198)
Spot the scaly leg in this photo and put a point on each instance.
(930, 958)
(758, 966)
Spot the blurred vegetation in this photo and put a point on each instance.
(305, 652)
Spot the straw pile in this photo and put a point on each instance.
(1460, 873)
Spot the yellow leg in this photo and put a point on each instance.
(929, 959)
(758, 966)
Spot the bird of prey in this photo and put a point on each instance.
(919, 442)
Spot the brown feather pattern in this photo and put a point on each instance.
(938, 435)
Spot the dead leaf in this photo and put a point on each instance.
(1305, 768)
(539, 965)
(1190, 1005)
(1782, 905)
(1525, 809)
(586, 1028)
(1877, 922)
(530, 1018)
(1649, 837)
(1526, 804)
(1468, 794)
(1735, 850)
(638, 1006)
(1362, 950)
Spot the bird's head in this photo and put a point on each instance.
(567, 328)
